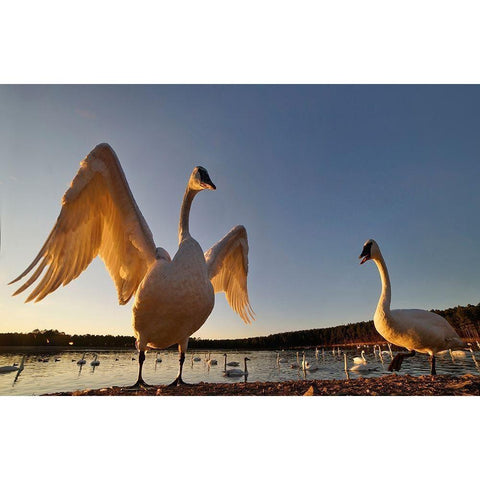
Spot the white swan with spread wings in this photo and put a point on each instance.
(173, 297)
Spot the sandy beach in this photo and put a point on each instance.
(406, 385)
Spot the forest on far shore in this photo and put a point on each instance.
(465, 320)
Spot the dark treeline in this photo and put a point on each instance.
(54, 338)
(465, 320)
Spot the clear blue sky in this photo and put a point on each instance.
(311, 171)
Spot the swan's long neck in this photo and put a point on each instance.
(245, 362)
(386, 295)
(183, 226)
(225, 367)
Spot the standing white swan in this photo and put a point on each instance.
(173, 298)
(416, 330)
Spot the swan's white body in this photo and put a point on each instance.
(415, 330)
(363, 367)
(173, 297)
(457, 353)
(361, 359)
(13, 368)
(95, 362)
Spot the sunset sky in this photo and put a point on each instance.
(311, 171)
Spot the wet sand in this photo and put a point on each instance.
(387, 385)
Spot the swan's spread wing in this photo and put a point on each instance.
(227, 263)
(99, 216)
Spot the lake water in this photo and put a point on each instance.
(121, 368)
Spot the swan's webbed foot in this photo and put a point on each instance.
(140, 384)
(177, 382)
(397, 361)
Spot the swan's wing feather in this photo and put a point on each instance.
(227, 263)
(419, 318)
(99, 216)
(428, 324)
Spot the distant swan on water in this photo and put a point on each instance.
(360, 359)
(457, 354)
(362, 367)
(82, 361)
(157, 358)
(416, 330)
(173, 297)
(95, 362)
(236, 372)
(297, 364)
(211, 361)
(474, 358)
(230, 364)
(13, 368)
(305, 364)
(281, 359)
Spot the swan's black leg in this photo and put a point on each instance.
(140, 382)
(179, 380)
(433, 370)
(396, 363)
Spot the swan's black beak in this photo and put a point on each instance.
(205, 180)
(365, 255)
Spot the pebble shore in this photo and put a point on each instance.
(387, 385)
